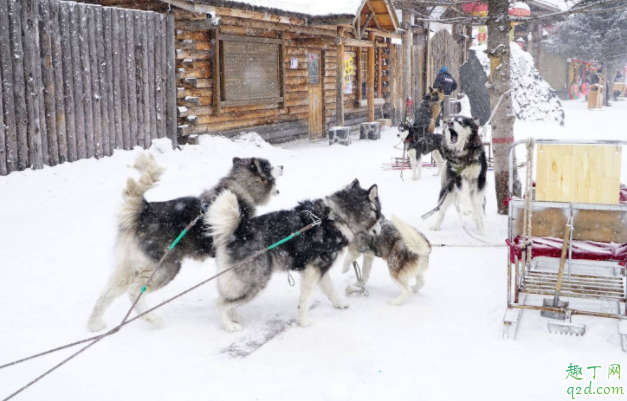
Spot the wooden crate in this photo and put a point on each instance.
(578, 173)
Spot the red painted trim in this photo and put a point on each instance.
(509, 139)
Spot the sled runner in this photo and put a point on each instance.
(568, 239)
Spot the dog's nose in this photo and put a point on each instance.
(450, 124)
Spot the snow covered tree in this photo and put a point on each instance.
(601, 37)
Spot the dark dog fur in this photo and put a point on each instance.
(344, 214)
(147, 228)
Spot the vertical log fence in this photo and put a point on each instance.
(79, 81)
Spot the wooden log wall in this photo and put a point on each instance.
(195, 57)
(80, 80)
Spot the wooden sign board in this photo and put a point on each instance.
(578, 173)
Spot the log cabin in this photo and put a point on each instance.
(286, 70)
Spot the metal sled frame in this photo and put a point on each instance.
(584, 279)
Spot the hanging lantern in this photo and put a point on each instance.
(520, 9)
(476, 9)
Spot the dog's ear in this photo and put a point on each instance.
(440, 89)
(430, 89)
(373, 192)
(354, 184)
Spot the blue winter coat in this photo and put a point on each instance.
(447, 82)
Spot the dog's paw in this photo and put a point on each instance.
(154, 320)
(396, 302)
(235, 316)
(351, 289)
(341, 304)
(305, 322)
(233, 327)
(96, 326)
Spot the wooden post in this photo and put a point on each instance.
(215, 70)
(3, 155)
(6, 65)
(125, 117)
(393, 87)
(57, 66)
(371, 79)
(131, 74)
(380, 72)
(359, 90)
(425, 61)
(30, 33)
(79, 108)
(117, 53)
(68, 82)
(19, 89)
(339, 79)
(47, 67)
(104, 63)
(150, 22)
(408, 18)
(139, 73)
(162, 83)
(84, 27)
(92, 30)
(146, 78)
(171, 79)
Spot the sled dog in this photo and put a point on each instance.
(419, 138)
(405, 250)
(466, 168)
(147, 228)
(344, 214)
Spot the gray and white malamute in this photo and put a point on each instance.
(344, 214)
(466, 169)
(405, 250)
(147, 228)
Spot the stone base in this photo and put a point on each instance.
(370, 131)
(341, 135)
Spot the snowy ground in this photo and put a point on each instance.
(443, 344)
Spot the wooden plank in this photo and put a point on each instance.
(248, 39)
(79, 109)
(139, 76)
(144, 33)
(370, 92)
(92, 32)
(282, 63)
(30, 36)
(578, 173)
(3, 147)
(150, 21)
(68, 81)
(170, 80)
(19, 83)
(339, 80)
(102, 61)
(162, 82)
(380, 73)
(87, 99)
(116, 82)
(131, 71)
(124, 85)
(48, 70)
(38, 79)
(216, 71)
(159, 53)
(108, 81)
(6, 66)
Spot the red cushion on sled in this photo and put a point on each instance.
(552, 247)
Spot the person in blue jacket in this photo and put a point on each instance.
(448, 84)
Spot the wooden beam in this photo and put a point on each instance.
(248, 39)
(215, 69)
(339, 99)
(380, 73)
(357, 43)
(370, 79)
(363, 28)
(376, 20)
(407, 56)
(385, 34)
(357, 27)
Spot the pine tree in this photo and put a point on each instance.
(600, 37)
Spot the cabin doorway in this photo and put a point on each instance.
(314, 84)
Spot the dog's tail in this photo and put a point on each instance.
(223, 217)
(134, 192)
(414, 240)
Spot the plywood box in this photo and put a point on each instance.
(578, 173)
(595, 97)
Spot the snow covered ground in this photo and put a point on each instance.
(58, 229)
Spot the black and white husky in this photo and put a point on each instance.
(405, 250)
(418, 143)
(344, 214)
(466, 169)
(147, 228)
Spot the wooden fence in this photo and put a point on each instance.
(79, 81)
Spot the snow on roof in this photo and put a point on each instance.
(307, 7)
(563, 5)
